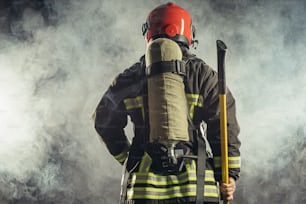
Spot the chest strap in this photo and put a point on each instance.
(175, 66)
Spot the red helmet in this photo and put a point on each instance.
(171, 21)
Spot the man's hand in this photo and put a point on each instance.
(227, 190)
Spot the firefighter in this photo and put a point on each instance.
(163, 168)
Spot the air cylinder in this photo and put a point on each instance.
(166, 94)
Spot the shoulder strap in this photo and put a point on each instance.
(201, 167)
(201, 160)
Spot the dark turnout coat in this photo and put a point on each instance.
(127, 96)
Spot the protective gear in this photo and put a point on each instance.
(171, 21)
(129, 97)
(166, 95)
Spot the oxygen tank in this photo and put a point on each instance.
(166, 94)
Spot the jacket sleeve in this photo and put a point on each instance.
(212, 118)
(110, 120)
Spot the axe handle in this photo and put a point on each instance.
(221, 51)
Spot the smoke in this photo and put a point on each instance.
(58, 57)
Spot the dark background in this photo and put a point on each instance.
(58, 57)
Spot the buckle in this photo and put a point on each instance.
(180, 67)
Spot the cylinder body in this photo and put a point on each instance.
(166, 95)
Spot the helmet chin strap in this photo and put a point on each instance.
(144, 28)
(194, 44)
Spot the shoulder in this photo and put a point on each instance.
(196, 65)
(130, 75)
(192, 61)
(200, 77)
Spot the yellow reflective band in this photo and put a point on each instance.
(143, 176)
(233, 162)
(145, 163)
(171, 192)
(121, 157)
(148, 185)
(132, 103)
(191, 111)
(159, 180)
(191, 166)
(194, 100)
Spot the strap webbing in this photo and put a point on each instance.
(201, 170)
(175, 66)
(201, 160)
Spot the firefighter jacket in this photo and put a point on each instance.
(127, 96)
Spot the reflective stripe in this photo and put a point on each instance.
(159, 180)
(182, 26)
(137, 102)
(132, 103)
(191, 166)
(148, 185)
(194, 100)
(145, 163)
(233, 162)
(171, 192)
(121, 157)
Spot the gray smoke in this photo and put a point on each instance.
(58, 57)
